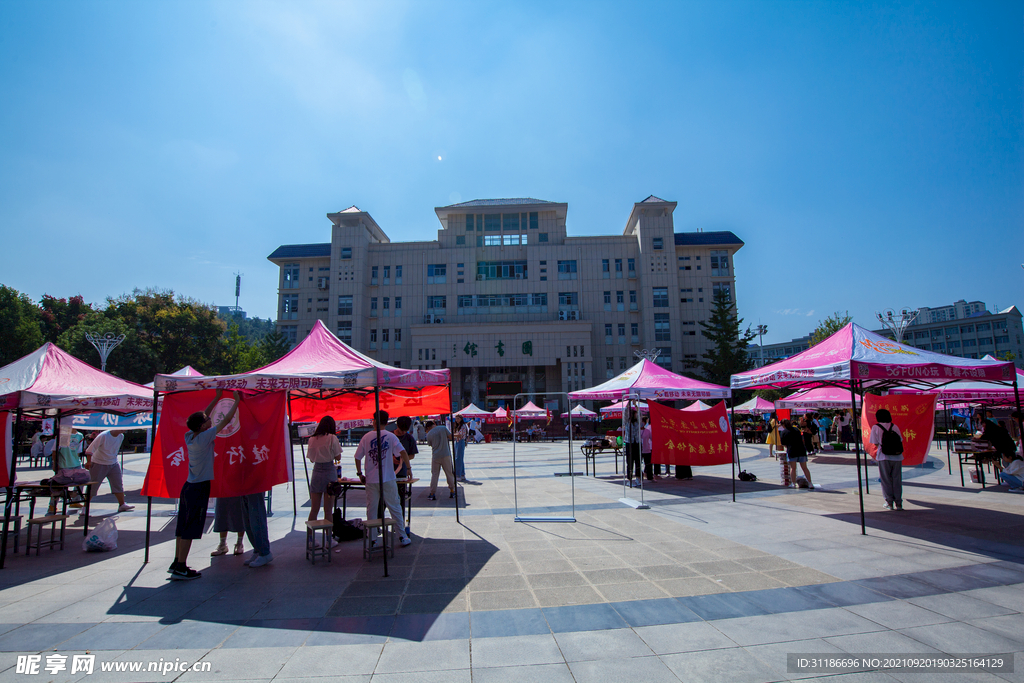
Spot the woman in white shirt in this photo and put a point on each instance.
(323, 450)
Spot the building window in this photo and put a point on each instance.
(501, 270)
(970, 342)
(622, 363)
(609, 367)
(289, 306)
(387, 275)
(437, 273)
(398, 275)
(664, 358)
(567, 270)
(398, 337)
(437, 304)
(385, 337)
(568, 300)
(489, 241)
(607, 333)
(658, 243)
(606, 268)
(661, 327)
(290, 333)
(533, 221)
(620, 300)
(542, 237)
(607, 301)
(398, 306)
(492, 222)
(345, 305)
(632, 300)
(460, 240)
(510, 222)
(1002, 339)
(345, 331)
(723, 287)
(373, 307)
(387, 305)
(966, 329)
(346, 252)
(469, 222)
(513, 240)
(290, 276)
(690, 332)
(634, 333)
(373, 275)
(661, 297)
(983, 327)
(622, 333)
(373, 338)
(720, 263)
(631, 264)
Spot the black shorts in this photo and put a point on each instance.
(192, 504)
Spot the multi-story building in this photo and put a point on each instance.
(505, 298)
(976, 334)
(956, 311)
(772, 353)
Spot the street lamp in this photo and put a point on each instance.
(649, 354)
(104, 343)
(897, 322)
(761, 331)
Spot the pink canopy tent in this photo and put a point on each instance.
(579, 413)
(473, 412)
(965, 393)
(820, 398)
(614, 411)
(855, 358)
(530, 412)
(49, 382)
(697, 405)
(755, 406)
(650, 381)
(498, 416)
(187, 371)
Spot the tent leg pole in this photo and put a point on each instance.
(149, 516)
(10, 487)
(380, 477)
(735, 445)
(149, 499)
(451, 421)
(856, 444)
(949, 456)
(1016, 398)
(291, 459)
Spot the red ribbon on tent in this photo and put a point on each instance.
(251, 451)
(699, 437)
(914, 414)
(7, 434)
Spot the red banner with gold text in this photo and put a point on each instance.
(250, 452)
(914, 414)
(692, 438)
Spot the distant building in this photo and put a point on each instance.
(770, 353)
(506, 299)
(230, 311)
(956, 311)
(973, 335)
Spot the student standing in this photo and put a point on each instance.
(323, 450)
(887, 437)
(227, 518)
(195, 492)
(631, 440)
(380, 465)
(796, 452)
(461, 434)
(403, 425)
(647, 449)
(101, 457)
(441, 458)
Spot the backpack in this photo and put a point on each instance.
(892, 442)
(747, 476)
(343, 529)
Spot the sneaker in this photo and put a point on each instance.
(125, 508)
(1017, 490)
(431, 497)
(451, 494)
(406, 541)
(174, 565)
(887, 506)
(239, 548)
(261, 560)
(899, 506)
(376, 544)
(810, 487)
(252, 558)
(222, 549)
(183, 573)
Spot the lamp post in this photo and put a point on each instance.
(104, 343)
(761, 331)
(897, 322)
(649, 354)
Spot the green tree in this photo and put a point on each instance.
(829, 326)
(274, 345)
(60, 315)
(131, 359)
(20, 330)
(728, 352)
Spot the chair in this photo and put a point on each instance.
(40, 522)
(313, 550)
(384, 525)
(15, 528)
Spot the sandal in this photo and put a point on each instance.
(222, 549)
(239, 549)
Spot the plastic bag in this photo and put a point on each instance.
(102, 538)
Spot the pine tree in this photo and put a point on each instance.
(728, 353)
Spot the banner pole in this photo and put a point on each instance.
(856, 444)
(380, 476)
(149, 502)
(451, 435)
(291, 458)
(735, 446)
(1016, 398)
(949, 434)
(10, 486)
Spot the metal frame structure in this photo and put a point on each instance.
(104, 345)
(515, 483)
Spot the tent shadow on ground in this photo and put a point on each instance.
(423, 581)
(992, 533)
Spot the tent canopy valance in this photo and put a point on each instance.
(981, 393)
(856, 353)
(755, 406)
(319, 363)
(649, 380)
(50, 380)
(615, 409)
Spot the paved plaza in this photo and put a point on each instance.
(697, 588)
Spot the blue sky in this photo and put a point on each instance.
(870, 155)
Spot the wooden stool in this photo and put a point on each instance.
(313, 550)
(15, 528)
(384, 526)
(41, 522)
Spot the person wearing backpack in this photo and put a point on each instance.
(887, 437)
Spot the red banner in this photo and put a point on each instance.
(914, 414)
(6, 447)
(251, 451)
(357, 406)
(700, 437)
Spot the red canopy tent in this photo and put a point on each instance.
(324, 376)
(856, 358)
(49, 382)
